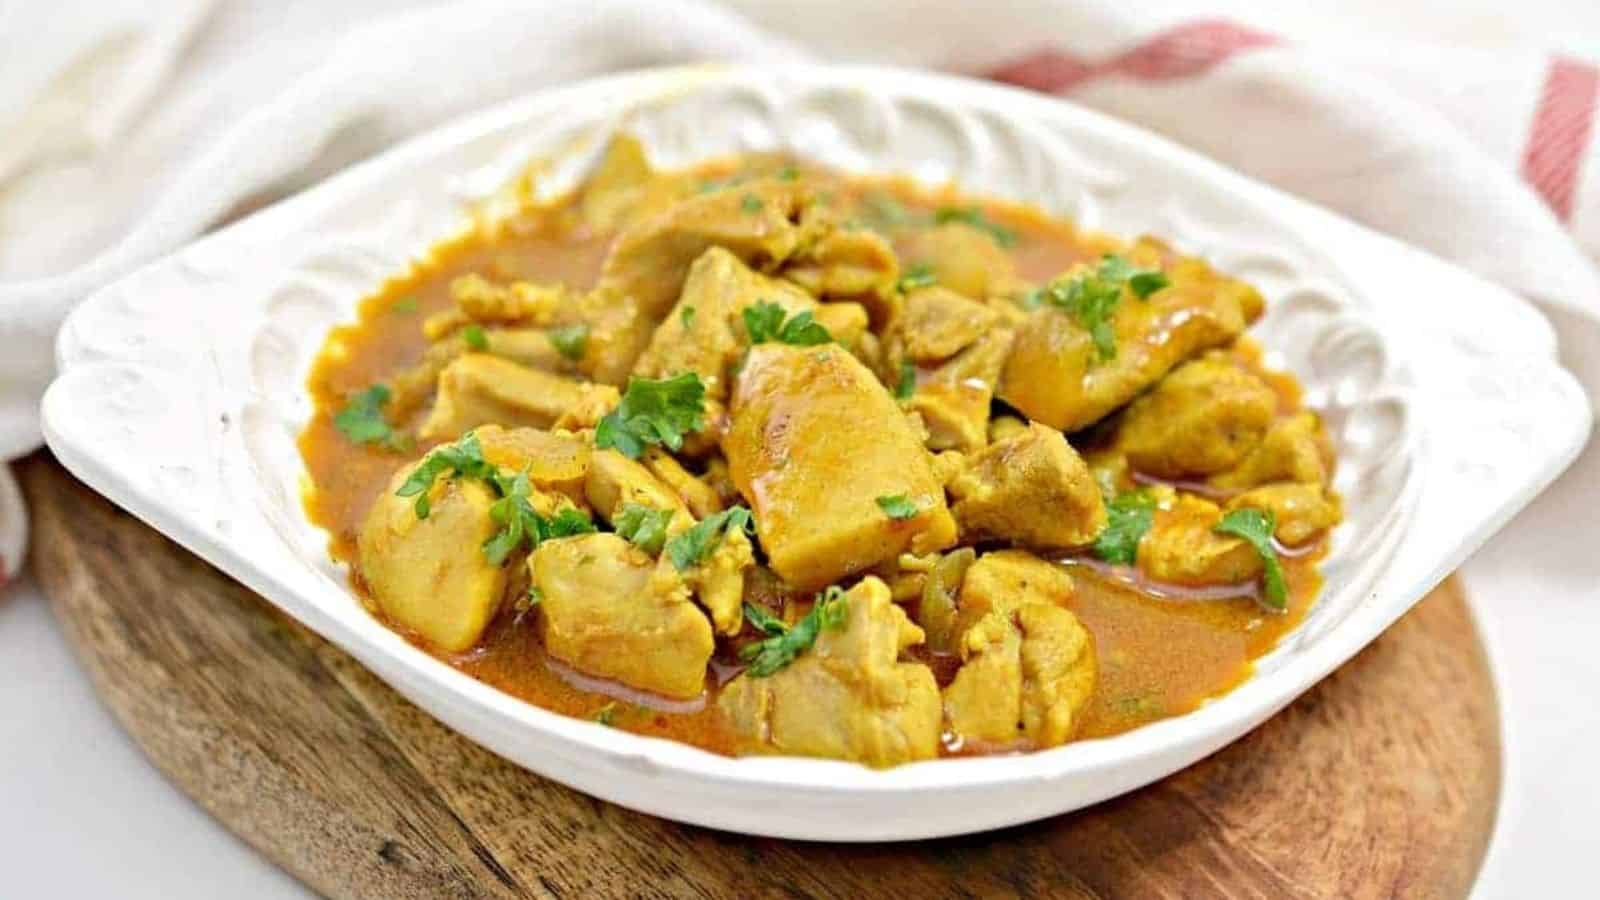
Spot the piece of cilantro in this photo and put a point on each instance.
(653, 413)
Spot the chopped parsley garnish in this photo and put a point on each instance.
(686, 316)
(406, 304)
(907, 384)
(763, 621)
(750, 203)
(690, 548)
(362, 420)
(772, 654)
(643, 526)
(1255, 527)
(607, 715)
(653, 413)
(1145, 283)
(513, 512)
(1092, 297)
(973, 216)
(1128, 517)
(897, 506)
(569, 340)
(475, 338)
(568, 522)
(788, 173)
(464, 457)
(917, 275)
(764, 322)
(520, 524)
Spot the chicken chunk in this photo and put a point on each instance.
(1201, 419)
(1055, 373)
(1181, 547)
(1025, 675)
(430, 576)
(1295, 449)
(701, 498)
(962, 258)
(1032, 489)
(938, 323)
(609, 610)
(1301, 511)
(756, 222)
(954, 398)
(841, 263)
(618, 330)
(1006, 580)
(617, 184)
(814, 476)
(479, 389)
(554, 462)
(614, 481)
(480, 300)
(704, 333)
(848, 697)
(718, 582)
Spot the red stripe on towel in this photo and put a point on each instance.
(1183, 51)
(1562, 125)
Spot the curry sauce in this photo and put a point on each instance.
(1160, 646)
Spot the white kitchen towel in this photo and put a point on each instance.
(135, 130)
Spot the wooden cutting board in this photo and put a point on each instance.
(1379, 782)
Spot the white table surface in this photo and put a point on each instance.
(84, 814)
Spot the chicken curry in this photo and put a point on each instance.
(771, 459)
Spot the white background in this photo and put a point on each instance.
(82, 813)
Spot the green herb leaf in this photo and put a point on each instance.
(1143, 284)
(362, 420)
(772, 654)
(803, 331)
(750, 203)
(690, 548)
(607, 715)
(917, 275)
(653, 413)
(406, 304)
(568, 521)
(1128, 517)
(1255, 527)
(763, 621)
(908, 380)
(569, 340)
(897, 506)
(475, 338)
(513, 512)
(764, 322)
(973, 216)
(686, 316)
(1092, 298)
(788, 173)
(643, 526)
(464, 457)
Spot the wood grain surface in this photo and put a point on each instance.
(1379, 782)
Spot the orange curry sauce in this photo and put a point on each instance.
(1157, 656)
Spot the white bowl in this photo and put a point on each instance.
(182, 388)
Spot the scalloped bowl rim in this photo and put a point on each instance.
(412, 670)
